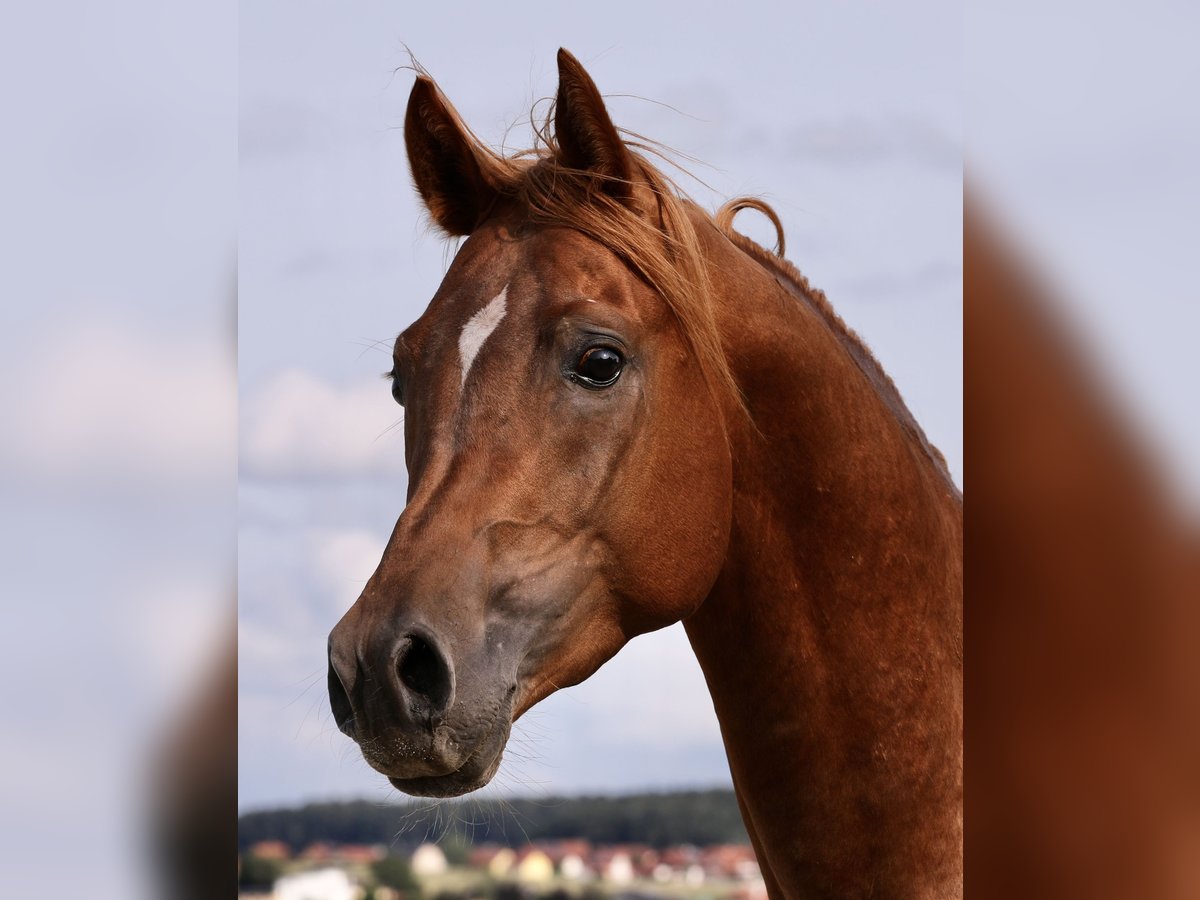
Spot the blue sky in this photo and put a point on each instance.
(118, 455)
(847, 119)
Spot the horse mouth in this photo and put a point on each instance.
(476, 771)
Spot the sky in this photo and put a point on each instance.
(847, 118)
(118, 454)
(1083, 144)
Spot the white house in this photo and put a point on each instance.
(428, 860)
(573, 867)
(620, 868)
(320, 884)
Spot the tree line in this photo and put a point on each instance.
(657, 819)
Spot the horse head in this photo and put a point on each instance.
(565, 412)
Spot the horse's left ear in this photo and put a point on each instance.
(587, 139)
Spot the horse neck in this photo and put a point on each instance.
(831, 641)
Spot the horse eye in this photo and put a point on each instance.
(397, 386)
(599, 366)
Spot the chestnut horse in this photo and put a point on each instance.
(621, 414)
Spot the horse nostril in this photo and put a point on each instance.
(425, 673)
(339, 702)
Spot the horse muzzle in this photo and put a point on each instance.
(395, 695)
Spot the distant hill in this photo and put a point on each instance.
(684, 817)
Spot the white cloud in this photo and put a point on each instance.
(283, 657)
(293, 588)
(652, 692)
(343, 561)
(107, 401)
(297, 425)
(646, 718)
(180, 631)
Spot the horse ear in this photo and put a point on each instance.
(452, 172)
(587, 138)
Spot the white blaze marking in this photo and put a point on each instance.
(478, 329)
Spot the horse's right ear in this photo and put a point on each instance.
(452, 172)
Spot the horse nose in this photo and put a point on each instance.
(395, 678)
(426, 677)
(342, 671)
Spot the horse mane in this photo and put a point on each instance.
(658, 239)
(796, 283)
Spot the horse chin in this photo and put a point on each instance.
(474, 773)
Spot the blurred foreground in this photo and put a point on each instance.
(451, 870)
(1083, 551)
(1083, 633)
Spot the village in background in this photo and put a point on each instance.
(687, 845)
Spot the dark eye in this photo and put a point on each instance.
(599, 367)
(397, 386)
